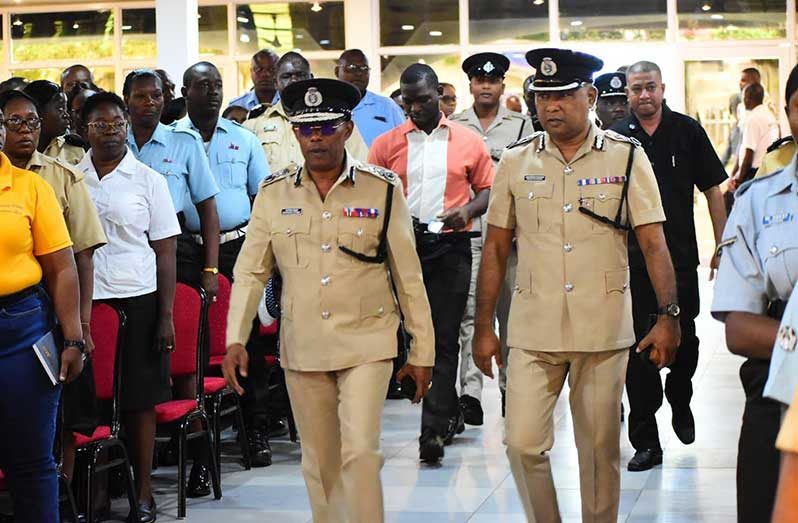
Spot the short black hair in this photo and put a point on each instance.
(173, 110)
(15, 82)
(188, 74)
(446, 84)
(756, 92)
(351, 53)
(754, 73)
(139, 74)
(42, 92)
(95, 100)
(292, 56)
(792, 85)
(419, 72)
(76, 66)
(231, 108)
(266, 52)
(644, 66)
(395, 93)
(7, 96)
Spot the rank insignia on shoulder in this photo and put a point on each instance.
(280, 175)
(787, 338)
(291, 211)
(618, 137)
(535, 178)
(378, 171)
(361, 212)
(601, 181)
(781, 142)
(525, 140)
(257, 111)
(773, 219)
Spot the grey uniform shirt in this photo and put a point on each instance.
(506, 128)
(759, 252)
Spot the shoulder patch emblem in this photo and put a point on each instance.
(279, 175)
(526, 139)
(379, 172)
(618, 137)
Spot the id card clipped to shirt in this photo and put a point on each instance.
(46, 350)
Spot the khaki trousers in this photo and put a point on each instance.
(338, 416)
(534, 381)
(470, 375)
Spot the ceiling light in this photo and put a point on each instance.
(299, 36)
(576, 23)
(538, 2)
(244, 38)
(17, 22)
(127, 27)
(243, 19)
(76, 26)
(435, 33)
(706, 7)
(408, 27)
(324, 42)
(422, 61)
(316, 7)
(717, 17)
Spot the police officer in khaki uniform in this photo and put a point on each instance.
(334, 228)
(69, 148)
(272, 126)
(570, 194)
(498, 127)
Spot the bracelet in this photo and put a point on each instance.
(86, 323)
(212, 270)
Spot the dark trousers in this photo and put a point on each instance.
(191, 258)
(643, 383)
(446, 278)
(757, 456)
(255, 402)
(28, 408)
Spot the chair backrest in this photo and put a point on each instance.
(107, 331)
(189, 315)
(217, 318)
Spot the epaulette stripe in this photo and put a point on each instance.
(779, 143)
(725, 243)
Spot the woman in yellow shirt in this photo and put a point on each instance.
(34, 246)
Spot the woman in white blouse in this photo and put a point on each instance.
(136, 271)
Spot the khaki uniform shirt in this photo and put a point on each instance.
(282, 150)
(68, 153)
(776, 159)
(73, 196)
(337, 312)
(508, 127)
(572, 284)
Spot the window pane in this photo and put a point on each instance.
(305, 26)
(138, 33)
(103, 76)
(78, 35)
(732, 20)
(508, 21)
(446, 66)
(213, 30)
(419, 22)
(613, 20)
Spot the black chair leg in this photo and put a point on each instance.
(131, 487)
(181, 471)
(90, 477)
(217, 486)
(243, 438)
(217, 430)
(70, 498)
(291, 425)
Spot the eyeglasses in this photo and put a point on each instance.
(326, 129)
(354, 68)
(449, 99)
(102, 127)
(15, 124)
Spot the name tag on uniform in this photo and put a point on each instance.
(269, 128)
(361, 212)
(167, 160)
(291, 211)
(535, 178)
(234, 147)
(777, 218)
(601, 181)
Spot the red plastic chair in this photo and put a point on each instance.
(108, 331)
(190, 317)
(216, 390)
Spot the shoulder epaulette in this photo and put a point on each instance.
(257, 111)
(291, 170)
(526, 139)
(747, 184)
(75, 140)
(778, 144)
(618, 137)
(73, 171)
(380, 172)
(186, 130)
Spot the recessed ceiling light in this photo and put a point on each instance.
(538, 2)
(316, 7)
(422, 61)
(243, 19)
(299, 36)
(706, 7)
(127, 27)
(717, 17)
(576, 23)
(76, 26)
(408, 27)
(244, 38)
(324, 42)
(17, 22)
(435, 33)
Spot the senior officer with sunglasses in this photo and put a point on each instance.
(339, 232)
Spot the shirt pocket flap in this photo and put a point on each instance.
(230, 156)
(617, 280)
(376, 305)
(534, 191)
(291, 224)
(603, 192)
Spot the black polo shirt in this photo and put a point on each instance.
(682, 157)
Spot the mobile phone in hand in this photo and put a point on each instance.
(408, 388)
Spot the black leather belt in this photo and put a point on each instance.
(776, 309)
(11, 299)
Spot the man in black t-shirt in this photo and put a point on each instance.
(683, 158)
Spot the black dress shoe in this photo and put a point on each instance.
(260, 453)
(199, 482)
(277, 427)
(472, 410)
(394, 390)
(684, 425)
(645, 460)
(456, 426)
(430, 449)
(147, 513)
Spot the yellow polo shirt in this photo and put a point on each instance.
(31, 224)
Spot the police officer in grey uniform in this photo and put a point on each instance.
(757, 274)
(783, 374)
(499, 127)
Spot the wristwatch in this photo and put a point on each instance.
(78, 344)
(672, 309)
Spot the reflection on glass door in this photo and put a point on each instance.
(712, 94)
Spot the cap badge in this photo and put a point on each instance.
(548, 67)
(313, 97)
(488, 67)
(615, 83)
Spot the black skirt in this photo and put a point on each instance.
(145, 370)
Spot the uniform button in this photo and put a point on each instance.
(569, 287)
(359, 232)
(326, 247)
(327, 215)
(325, 315)
(325, 281)
(774, 249)
(289, 231)
(531, 195)
(567, 207)
(602, 196)
(380, 310)
(568, 247)
(568, 169)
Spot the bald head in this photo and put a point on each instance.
(292, 67)
(753, 96)
(198, 69)
(263, 72)
(644, 67)
(353, 67)
(75, 74)
(203, 91)
(420, 73)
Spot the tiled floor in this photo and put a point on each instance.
(474, 484)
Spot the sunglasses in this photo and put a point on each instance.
(326, 129)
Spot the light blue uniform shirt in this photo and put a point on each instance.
(249, 100)
(179, 156)
(375, 115)
(239, 165)
(759, 254)
(783, 374)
